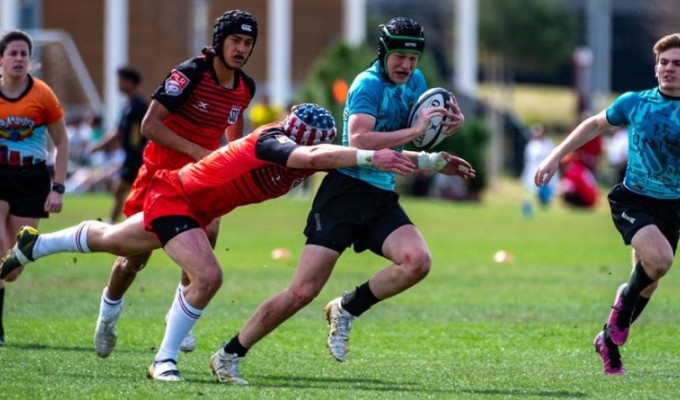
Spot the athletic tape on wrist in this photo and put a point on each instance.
(364, 157)
(431, 161)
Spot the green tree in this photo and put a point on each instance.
(339, 61)
(535, 35)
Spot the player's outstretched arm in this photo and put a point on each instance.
(582, 134)
(328, 156)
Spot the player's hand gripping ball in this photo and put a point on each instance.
(434, 134)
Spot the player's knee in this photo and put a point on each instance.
(208, 281)
(418, 263)
(658, 265)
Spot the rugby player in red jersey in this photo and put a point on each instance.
(189, 113)
(182, 203)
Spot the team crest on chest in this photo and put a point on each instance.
(233, 115)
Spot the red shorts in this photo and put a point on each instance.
(166, 198)
(135, 200)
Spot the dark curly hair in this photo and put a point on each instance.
(13, 35)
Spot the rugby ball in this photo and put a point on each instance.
(434, 134)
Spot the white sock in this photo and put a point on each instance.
(69, 240)
(109, 309)
(181, 319)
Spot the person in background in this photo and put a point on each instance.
(617, 153)
(645, 206)
(127, 135)
(30, 115)
(199, 100)
(538, 148)
(590, 153)
(577, 184)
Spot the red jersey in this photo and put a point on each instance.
(590, 153)
(578, 183)
(201, 110)
(247, 171)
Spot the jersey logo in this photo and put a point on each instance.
(16, 129)
(233, 115)
(627, 217)
(176, 83)
(201, 106)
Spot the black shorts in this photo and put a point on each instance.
(347, 211)
(128, 171)
(25, 189)
(168, 227)
(632, 212)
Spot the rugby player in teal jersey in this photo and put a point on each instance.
(645, 207)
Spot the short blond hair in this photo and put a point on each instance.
(666, 43)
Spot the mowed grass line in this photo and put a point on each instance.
(472, 329)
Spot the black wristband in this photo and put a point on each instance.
(59, 188)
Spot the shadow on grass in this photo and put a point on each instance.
(324, 381)
(380, 385)
(525, 393)
(314, 382)
(40, 346)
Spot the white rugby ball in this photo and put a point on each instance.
(434, 134)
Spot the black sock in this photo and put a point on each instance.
(2, 303)
(359, 301)
(639, 306)
(638, 281)
(235, 347)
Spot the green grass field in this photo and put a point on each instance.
(474, 329)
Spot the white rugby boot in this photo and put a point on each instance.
(340, 325)
(225, 368)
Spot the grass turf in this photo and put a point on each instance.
(472, 329)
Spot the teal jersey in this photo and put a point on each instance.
(654, 142)
(371, 93)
